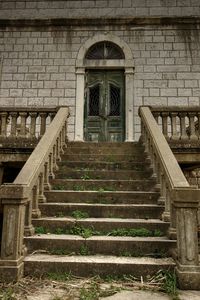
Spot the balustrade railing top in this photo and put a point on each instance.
(178, 123)
(181, 201)
(21, 122)
(20, 199)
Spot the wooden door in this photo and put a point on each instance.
(104, 106)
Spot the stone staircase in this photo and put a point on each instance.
(102, 216)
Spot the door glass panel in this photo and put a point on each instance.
(93, 137)
(94, 96)
(115, 137)
(114, 100)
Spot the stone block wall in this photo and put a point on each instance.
(38, 65)
(38, 9)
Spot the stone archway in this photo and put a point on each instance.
(127, 64)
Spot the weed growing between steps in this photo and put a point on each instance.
(84, 250)
(142, 232)
(58, 187)
(159, 253)
(87, 232)
(85, 177)
(93, 188)
(78, 214)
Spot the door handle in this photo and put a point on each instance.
(103, 117)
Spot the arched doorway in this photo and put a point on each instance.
(104, 90)
(104, 97)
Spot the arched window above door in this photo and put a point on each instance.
(104, 50)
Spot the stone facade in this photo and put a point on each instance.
(97, 8)
(38, 64)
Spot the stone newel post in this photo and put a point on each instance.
(188, 269)
(12, 249)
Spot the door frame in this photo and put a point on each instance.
(126, 64)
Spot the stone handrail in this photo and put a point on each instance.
(20, 199)
(179, 123)
(180, 200)
(20, 122)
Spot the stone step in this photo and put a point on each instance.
(123, 197)
(101, 165)
(102, 185)
(95, 265)
(105, 150)
(94, 145)
(100, 224)
(106, 245)
(115, 158)
(103, 210)
(69, 173)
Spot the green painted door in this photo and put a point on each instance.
(104, 106)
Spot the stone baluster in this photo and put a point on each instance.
(193, 135)
(41, 196)
(183, 116)
(51, 115)
(28, 228)
(63, 138)
(145, 141)
(157, 171)
(165, 194)
(23, 116)
(47, 185)
(58, 149)
(55, 166)
(154, 164)
(172, 227)
(198, 125)
(33, 116)
(173, 116)
(65, 131)
(35, 209)
(51, 168)
(164, 116)
(43, 117)
(156, 115)
(4, 123)
(14, 116)
(161, 200)
(188, 268)
(61, 144)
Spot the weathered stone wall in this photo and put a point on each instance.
(97, 8)
(38, 65)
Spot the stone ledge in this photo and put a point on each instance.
(100, 21)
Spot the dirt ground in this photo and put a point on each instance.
(65, 287)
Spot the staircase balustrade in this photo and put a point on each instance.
(18, 122)
(178, 123)
(180, 200)
(20, 199)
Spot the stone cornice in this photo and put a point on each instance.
(172, 20)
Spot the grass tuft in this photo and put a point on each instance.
(78, 214)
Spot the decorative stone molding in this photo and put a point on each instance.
(127, 64)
